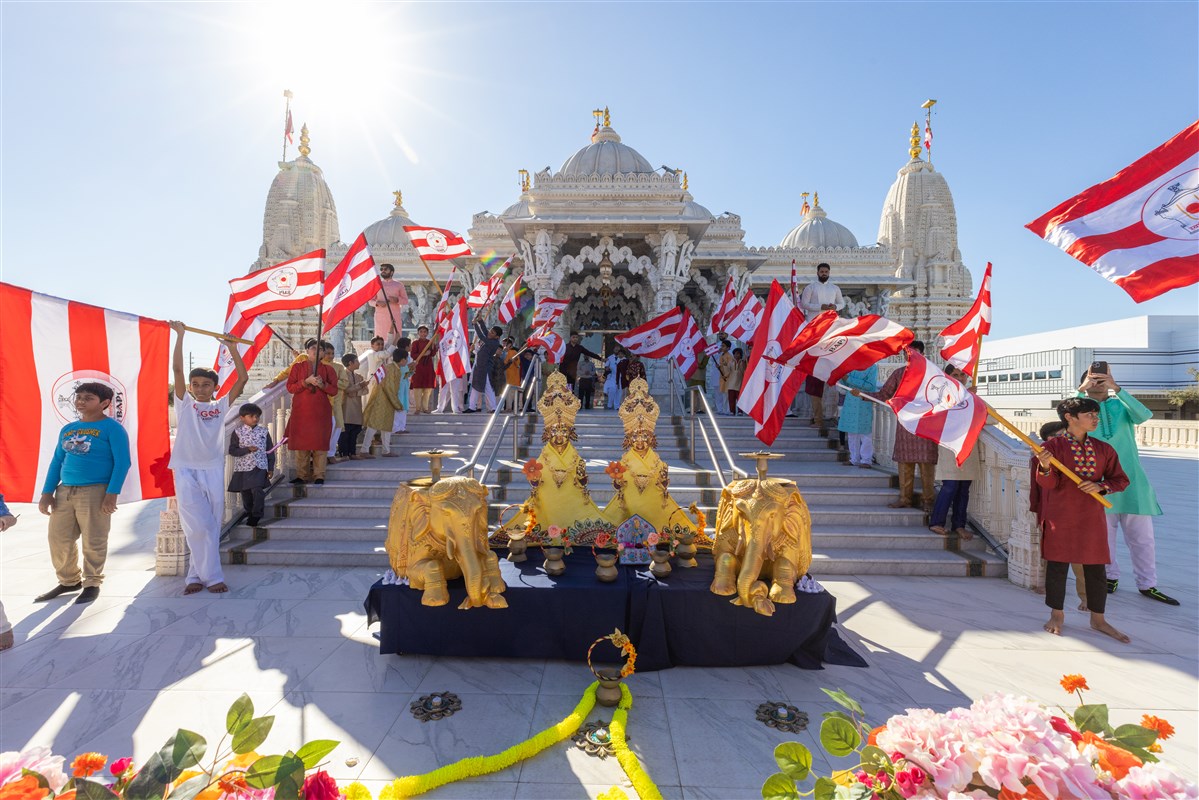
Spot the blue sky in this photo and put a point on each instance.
(139, 140)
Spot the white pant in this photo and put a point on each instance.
(487, 396)
(861, 448)
(451, 394)
(612, 396)
(5, 625)
(333, 440)
(399, 422)
(200, 494)
(1138, 535)
(368, 436)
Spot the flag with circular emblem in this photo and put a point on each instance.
(437, 244)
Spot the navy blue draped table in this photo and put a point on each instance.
(673, 621)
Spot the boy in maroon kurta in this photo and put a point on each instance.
(311, 421)
(1073, 525)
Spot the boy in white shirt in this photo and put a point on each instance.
(198, 461)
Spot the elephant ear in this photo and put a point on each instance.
(408, 521)
(741, 508)
(794, 535)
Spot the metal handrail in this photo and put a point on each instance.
(734, 470)
(499, 406)
(514, 419)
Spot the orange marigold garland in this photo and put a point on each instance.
(87, 764)
(626, 647)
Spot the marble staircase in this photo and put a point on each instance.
(344, 522)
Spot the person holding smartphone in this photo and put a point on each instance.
(1132, 510)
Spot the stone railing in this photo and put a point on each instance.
(171, 548)
(1156, 433)
(998, 500)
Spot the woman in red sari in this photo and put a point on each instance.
(1073, 525)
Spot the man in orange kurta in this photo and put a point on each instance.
(311, 421)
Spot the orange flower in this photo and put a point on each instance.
(1164, 729)
(1115, 760)
(616, 470)
(532, 470)
(86, 764)
(26, 788)
(872, 738)
(1072, 683)
(1031, 792)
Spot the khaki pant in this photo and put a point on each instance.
(907, 480)
(77, 515)
(817, 410)
(310, 464)
(422, 400)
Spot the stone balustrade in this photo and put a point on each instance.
(1156, 433)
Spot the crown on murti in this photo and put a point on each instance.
(639, 411)
(558, 406)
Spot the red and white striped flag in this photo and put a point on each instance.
(928, 136)
(454, 347)
(488, 290)
(548, 310)
(352, 284)
(932, 405)
(656, 338)
(745, 317)
(769, 387)
(553, 343)
(712, 349)
(728, 301)
(288, 128)
(795, 287)
(689, 346)
(291, 285)
(962, 341)
(52, 345)
(510, 305)
(442, 313)
(244, 327)
(830, 347)
(1139, 229)
(437, 244)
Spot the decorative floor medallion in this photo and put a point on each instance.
(594, 739)
(438, 705)
(788, 719)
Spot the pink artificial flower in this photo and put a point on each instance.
(863, 778)
(320, 786)
(1155, 782)
(882, 779)
(1061, 726)
(909, 781)
(121, 766)
(652, 539)
(35, 759)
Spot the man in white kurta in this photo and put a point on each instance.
(822, 295)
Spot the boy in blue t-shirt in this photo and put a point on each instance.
(89, 467)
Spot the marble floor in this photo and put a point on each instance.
(120, 675)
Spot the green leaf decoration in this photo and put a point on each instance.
(1135, 735)
(92, 790)
(187, 748)
(838, 715)
(825, 789)
(842, 699)
(190, 787)
(858, 791)
(874, 759)
(240, 714)
(263, 773)
(313, 752)
(152, 779)
(252, 734)
(794, 760)
(779, 787)
(290, 777)
(839, 737)
(1091, 718)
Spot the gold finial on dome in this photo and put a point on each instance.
(684, 181)
(304, 140)
(607, 118)
(805, 208)
(558, 407)
(914, 150)
(639, 415)
(816, 200)
(399, 198)
(524, 180)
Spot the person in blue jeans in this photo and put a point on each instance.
(954, 497)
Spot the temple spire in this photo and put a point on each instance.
(524, 180)
(399, 198)
(607, 118)
(304, 140)
(914, 149)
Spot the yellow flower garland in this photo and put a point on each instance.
(413, 785)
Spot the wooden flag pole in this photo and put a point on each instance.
(224, 337)
(1036, 448)
(433, 278)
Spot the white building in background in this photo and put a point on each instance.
(1148, 356)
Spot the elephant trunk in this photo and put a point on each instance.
(472, 575)
(751, 568)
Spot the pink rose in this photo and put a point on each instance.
(121, 766)
(909, 781)
(865, 779)
(1061, 726)
(320, 786)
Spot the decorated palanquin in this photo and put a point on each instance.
(557, 476)
(641, 478)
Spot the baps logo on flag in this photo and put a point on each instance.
(832, 346)
(62, 394)
(449, 341)
(282, 281)
(343, 288)
(747, 320)
(652, 339)
(436, 241)
(944, 394)
(774, 370)
(1173, 208)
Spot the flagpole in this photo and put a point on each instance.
(224, 337)
(281, 338)
(974, 368)
(394, 323)
(286, 115)
(425, 264)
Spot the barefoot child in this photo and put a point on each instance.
(1073, 525)
(198, 461)
(254, 462)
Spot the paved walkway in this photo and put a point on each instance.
(122, 674)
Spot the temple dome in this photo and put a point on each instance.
(818, 232)
(389, 233)
(606, 155)
(693, 210)
(300, 215)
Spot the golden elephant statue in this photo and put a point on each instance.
(763, 535)
(438, 533)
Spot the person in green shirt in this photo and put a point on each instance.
(1133, 509)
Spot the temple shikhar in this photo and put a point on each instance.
(626, 241)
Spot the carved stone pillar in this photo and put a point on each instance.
(170, 547)
(667, 279)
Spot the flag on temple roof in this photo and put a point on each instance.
(1139, 229)
(830, 347)
(928, 136)
(288, 128)
(510, 305)
(962, 340)
(934, 406)
(351, 285)
(657, 337)
(769, 387)
(287, 286)
(52, 345)
(243, 326)
(744, 318)
(689, 346)
(437, 244)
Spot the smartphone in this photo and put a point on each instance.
(1099, 367)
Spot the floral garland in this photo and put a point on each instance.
(623, 642)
